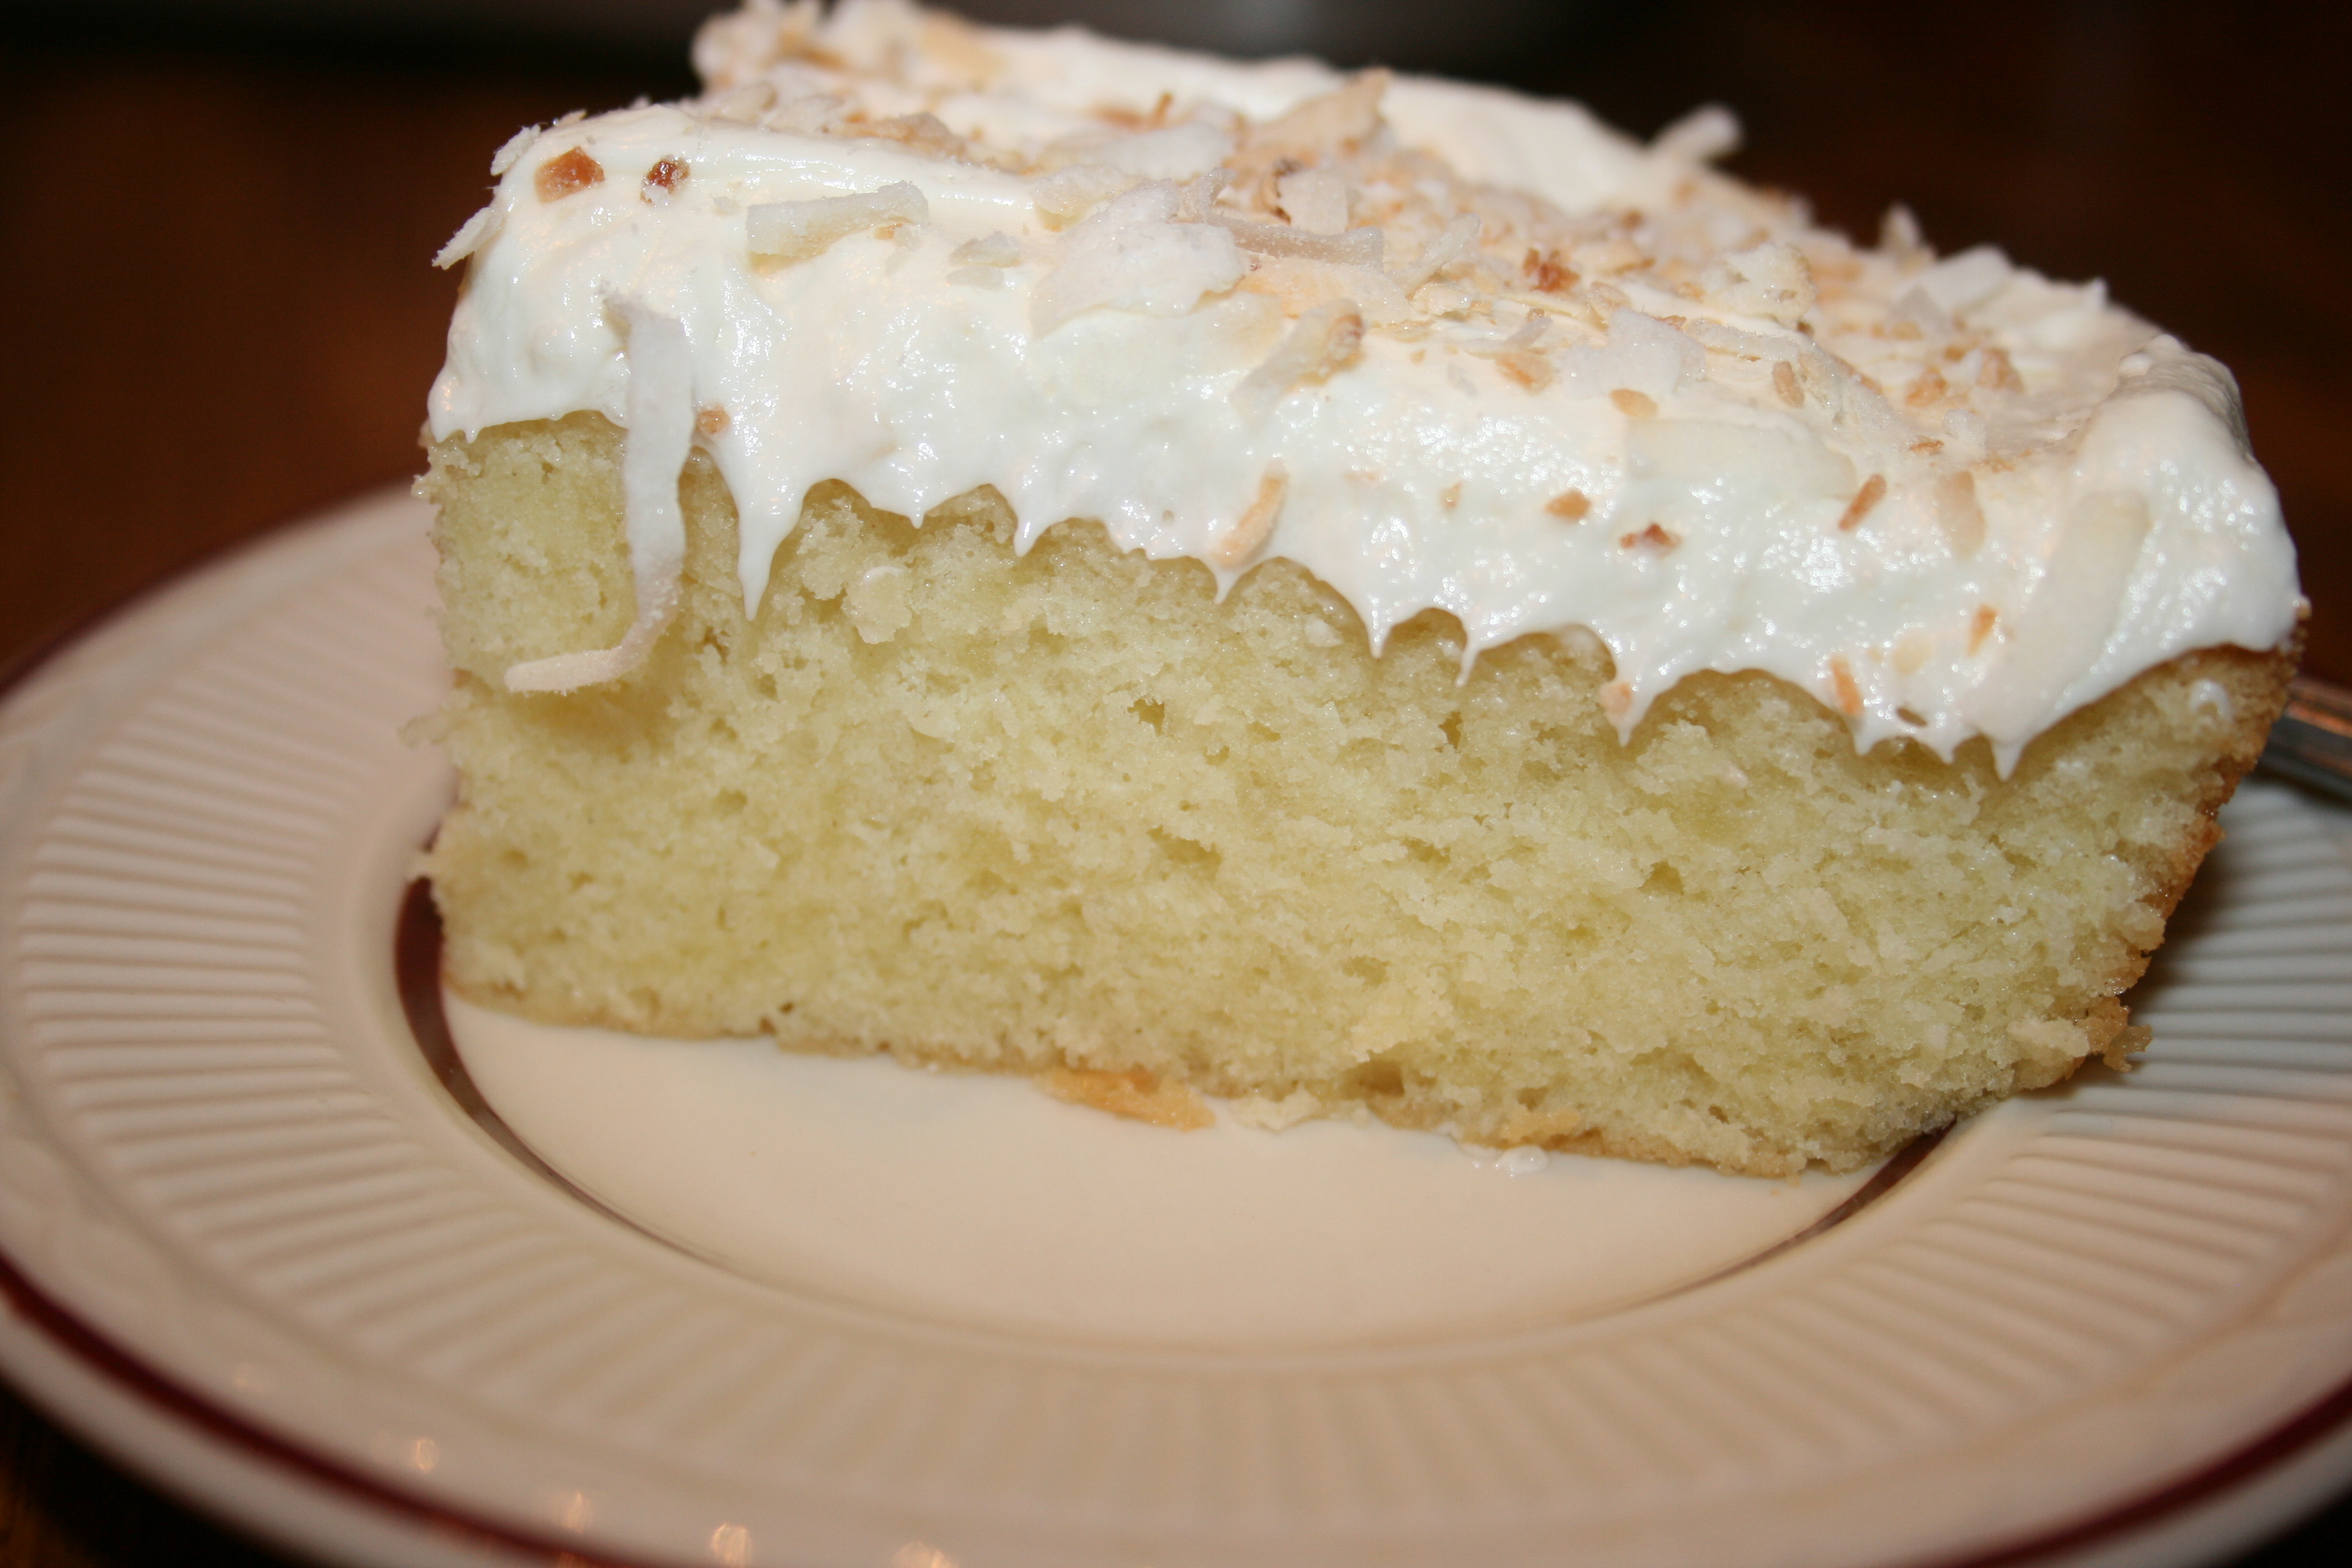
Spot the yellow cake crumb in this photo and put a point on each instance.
(1065, 813)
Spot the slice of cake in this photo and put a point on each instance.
(1356, 595)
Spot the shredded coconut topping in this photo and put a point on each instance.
(661, 424)
(468, 238)
(1313, 199)
(1357, 247)
(1065, 197)
(795, 231)
(1133, 255)
(1114, 264)
(1326, 339)
(1706, 133)
(1444, 247)
(1256, 525)
(1872, 491)
(511, 153)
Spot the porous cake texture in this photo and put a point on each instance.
(1065, 810)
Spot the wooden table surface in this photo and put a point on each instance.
(217, 313)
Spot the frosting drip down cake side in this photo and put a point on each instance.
(1353, 594)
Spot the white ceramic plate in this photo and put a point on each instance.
(654, 1304)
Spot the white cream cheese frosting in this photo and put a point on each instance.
(1444, 346)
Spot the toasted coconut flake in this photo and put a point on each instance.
(568, 171)
(1772, 280)
(1899, 238)
(1818, 376)
(1570, 506)
(662, 180)
(1607, 296)
(1447, 300)
(1197, 197)
(1065, 197)
(1326, 339)
(1532, 329)
(1872, 491)
(1545, 273)
(1641, 354)
(1444, 249)
(998, 249)
(1530, 368)
(1130, 256)
(1249, 535)
(1656, 536)
(1959, 513)
(806, 114)
(1135, 1094)
(923, 132)
(1706, 133)
(1848, 693)
(511, 151)
(1323, 126)
(1928, 390)
(1356, 248)
(1981, 625)
(1517, 355)
(795, 231)
(1996, 373)
(662, 420)
(1784, 381)
(468, 238)
(1634, 405)
(1313, 199)
(1302, 285)
(1736, 342)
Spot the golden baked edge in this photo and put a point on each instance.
(1064, 812)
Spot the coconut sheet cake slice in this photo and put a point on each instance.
(1357, 594)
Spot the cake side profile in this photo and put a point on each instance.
(1064, 809)
(1030, 553)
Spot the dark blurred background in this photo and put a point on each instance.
(216, 314)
